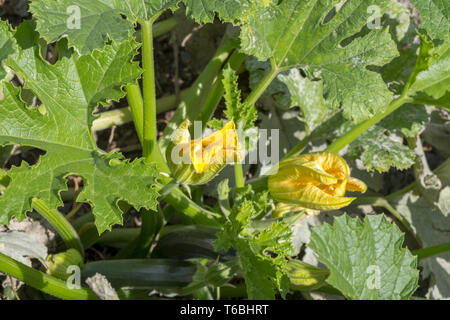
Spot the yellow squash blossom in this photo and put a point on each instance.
(315, 181)
(198, 161)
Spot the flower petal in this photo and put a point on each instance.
(311, 197)
(354, 184)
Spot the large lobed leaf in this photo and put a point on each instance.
(366, 259)
(235, 11)
(306, 94)
(99, 20)
(292, 89)
(69, 92)
(410, 119)
(435, 17)
(432, 83)
(313, 35)
(380, 152)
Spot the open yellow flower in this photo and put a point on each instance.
(198, 161)
(316, 181)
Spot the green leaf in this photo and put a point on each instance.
(69, 91)
(88, 24)
(306, 94)
(137, 10)
(433, 78)
(366, 259)
(243, 115)
(403, 30)
(381, 147)
(22, 247)
(257, 70)
(435, 17)
(210, 273)
(235, 11)
(299, 33)
(7, 46)
(379, 151)
(410, 119)
(98, 22)
(262, 252)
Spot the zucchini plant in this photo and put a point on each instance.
(349, 89)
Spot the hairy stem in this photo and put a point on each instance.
(432, 251)
(149, 114)
(239, 175)
(298, 148)
(42, 281)
(164, 26)
(383, 203)
(136, 103)
(186, 207)
(262, 86)
(199, 93)
(159, 28)
(359, 129)
(60, 223)
(216, 93)
(124, 115)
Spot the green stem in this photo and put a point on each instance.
(239, 175)
(200, 90)
(149, 114)
(216, 93)
(152, 222)
(60, 223)
(159, 28)
(121, 116)
(76, 207)
(298, 148)
(164, 26)
(442, 169)
(432, 251)
(150, 148)
(398, 215)
(136, 103)
(383, 203)
(42, 281)
(186, 207)
(356, 131)
(251, 99)
(204, 83)
(262, 86)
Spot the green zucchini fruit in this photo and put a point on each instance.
(186, 242)
(143, 273)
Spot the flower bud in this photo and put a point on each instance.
(315, 181)
(198, 161)
(59, 263)
(304, 276)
